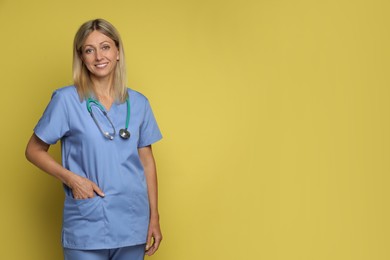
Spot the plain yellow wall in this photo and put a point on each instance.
(275, 115)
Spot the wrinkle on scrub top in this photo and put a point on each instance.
(121, 218)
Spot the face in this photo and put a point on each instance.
(100, 55)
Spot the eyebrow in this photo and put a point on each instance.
(99, 44)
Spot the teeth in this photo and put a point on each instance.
(101, 65)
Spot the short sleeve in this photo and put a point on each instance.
(149, 132)
(54, 124)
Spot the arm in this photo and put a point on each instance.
(147, 159)
(37, 154)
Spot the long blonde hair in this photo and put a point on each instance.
(81, 75)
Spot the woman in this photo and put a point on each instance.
(109, 175)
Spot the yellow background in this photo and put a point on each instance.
(275, 117)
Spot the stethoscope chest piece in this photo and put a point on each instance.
(124, 133)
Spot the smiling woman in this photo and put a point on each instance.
(99, 60)
(100, 56)
(110, 209)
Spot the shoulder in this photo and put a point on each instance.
(67, 91)
(64, 97)
(133, 94)
(66, 94)
(138, 99)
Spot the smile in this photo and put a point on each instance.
(100, 66)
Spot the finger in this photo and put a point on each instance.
(151, 250)
(149, 242)
(157, 242)
(79, 194)
(98, 190)
(155, 246)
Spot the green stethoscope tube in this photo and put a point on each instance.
(123, 133)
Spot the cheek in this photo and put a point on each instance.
(114, 55)
(88, 66)
(87, 62)
(86, 59)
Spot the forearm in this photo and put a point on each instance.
(151, 180)
(150, 171)
(154, 231)
(37, 154)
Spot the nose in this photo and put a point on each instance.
(98, 55)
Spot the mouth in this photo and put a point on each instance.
(101, 65)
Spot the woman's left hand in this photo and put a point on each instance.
(154, 236)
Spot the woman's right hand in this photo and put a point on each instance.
(83, 188)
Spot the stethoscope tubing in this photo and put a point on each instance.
(123, 133)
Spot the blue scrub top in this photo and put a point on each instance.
(121, 218)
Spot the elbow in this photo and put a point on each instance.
(28, 153)
(35, 151)
(34, 146)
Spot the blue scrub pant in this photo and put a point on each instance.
(124, 253)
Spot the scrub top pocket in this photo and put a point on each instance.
(82, 221)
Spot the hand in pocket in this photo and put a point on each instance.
(83, 188)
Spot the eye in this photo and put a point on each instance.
(88, 50)
(106, 47)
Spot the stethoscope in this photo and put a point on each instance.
(124, 133)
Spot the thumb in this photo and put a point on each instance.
(149, 242)
(97, 190)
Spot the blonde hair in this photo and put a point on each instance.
(81, 75)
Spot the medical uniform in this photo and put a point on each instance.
(121, 218)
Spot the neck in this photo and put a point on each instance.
(102, 87)
(103, 90)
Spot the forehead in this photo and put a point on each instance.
(96, 38)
